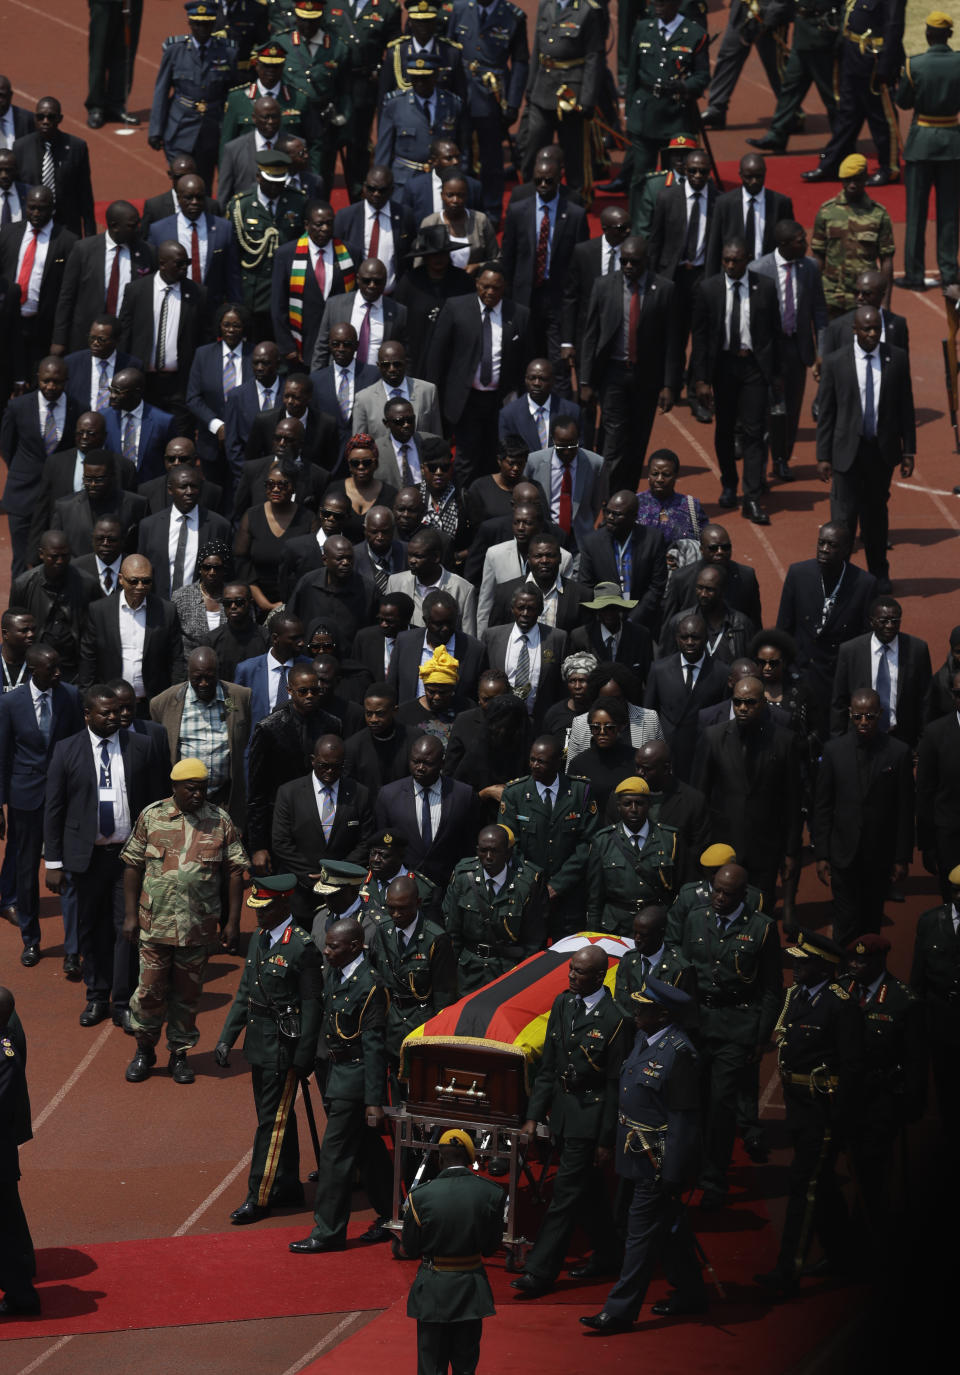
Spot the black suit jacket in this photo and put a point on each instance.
(586, 267)
(163, 206)
(325, 395)
(666, 694)
(396, 559)
(83, 294)
(801, 607)
(550, 686)
(841, 415)
(516, 422)
(742, 591)
(648, 571)
(24, 753)
(338, 310)
(138, 328)
(756, 807)
(839, 332)
(914, 674)
(569, 613)
(658, 341)
(369, 649)
(154, 533)
(80, 370)
(938, 788)
(454, 353)
(205, 398)
(71, 813)
(668, 233)
(156, 494)
(101, 655)
(10, 332)
(727, 223)
(321, 444)
(872, 816)
(418, 195)
(22, 447)
(62, 243)
(281, 746)
(635, 648)
(348, 225)
(519, 250)
(455, 837)
(708, 329)
(72, 185)
(404, 675)
(74, 516)
(297, 843)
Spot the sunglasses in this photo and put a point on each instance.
(233, 601)
(865, 715)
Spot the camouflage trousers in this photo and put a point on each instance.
(171, 982)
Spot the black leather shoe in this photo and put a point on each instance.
(94, 1013)
(799, 122)
(313, 1176)
(883, 177)
(29, 956)
(676, 1305)
(10, 1308)
(714, 119)
(140, 1066)
(531, 1286)
(71, 967)
(603, 1322)
(776, 1285)
(248, 1212)
(377, 1231)
(498, 1165)
(96, 119)
(11, 915)
(756, 1148)
(782, 471)
(755, 513)
(728, 499)
(125, 117)
(820, 174)
(767, 144)
(595, 1269)
(178, 1069)
(701, 413)
(121, 1018)
(313, 1246)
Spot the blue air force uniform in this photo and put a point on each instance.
(405, 131)
(190, 96)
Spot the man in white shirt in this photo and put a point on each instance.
(34, 247)
(11, 201)
(366, 315)
(378, 241)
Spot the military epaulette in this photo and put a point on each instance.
(516, 780)
(593, 5)
(404, 38)
(452, 43)
(299, 931)
(242, 87)
(840, 992)
(605, 831)
(392, 95)
(177, 38)
(578, 777)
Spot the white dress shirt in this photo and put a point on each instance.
(274, 676)
(193, 542)
(122, 824)
(609, 258)
(185, 237)
(697, 259)
(237, 356)
(59, 409)
(413, 459)
(111, 251)
(326, 253)
(386, 249)
(376, 321)
(496, 335)
(556, 482)
(746, 342)
(434, 799)
(436, 186)
(32, 304)
(685, 664)
(551, 599)
(513, 654)
(267, 397)
(320, 788)
(755, 249)
(173, 322)
(350, 373)
(114, 570)
(7, 135)
(893, 664)
(860, 360)
(13, 200)
(133, 634)
(110, 368)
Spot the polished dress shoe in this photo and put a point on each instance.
(12, 1308)
(883, 177)
(94, 1013)
(728, 499)
(531, 1286)
(603, 1322)
(96, 119)
(140, 1066)
(124, 117)
(755, 513)
(121, 1018)
(701, 412)
(799, 122)
(313, 1246)
(71, 967)
(594, 1269)
(820, 174)
(11, 915)
(29, 956)
(782, 471)
(714, 119)
(248, 1212)
(677, 1305)
(178, 1069)
(757, 1149)
(377, 1231)
(767, 144)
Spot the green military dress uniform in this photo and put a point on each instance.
(631, 976)
(373, 895)
(620, 879)
(451, 1222)
(555, 839)
(850, 239)
(739, 985)
(645, 200)
(577, 1085)
(259, 234)
(697, 894)
(183, 859)
(935, 978)
(324, 86)
(653, 114)
(568, 50)
(930, 87)
(238, 116)
(420, 975)
(352, 1061)
(492, 935)
(365, 36)
(817, 25)
(288, 974)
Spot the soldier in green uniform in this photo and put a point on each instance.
(182, 855)
(267, 67)
(935, 978)
(338, 897)
(554, 820)
(494, 910)
(819, 1038)
(386, 863)
(261, 220)
(930, 87)
(352, 1072)
(366, 35)
(851, 233)
(735, 952)
(817, 25)
(698, 892)
(576, 1087)
(452, 1222)
(564, 82)
(650, 956)
(669, 70)
(631, 863)
(423, 37)
(277, 1006)
(317, 66)
(675, 159)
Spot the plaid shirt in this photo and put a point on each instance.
(203, 735)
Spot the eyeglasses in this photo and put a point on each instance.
(864, 715)
(887, 620)
(331, 515)
(361, 462)
(747, 702)
(215, 567)
(604, 727)
(568, 449)
(233, 601)
(769, 663)
(137, 582)
(439, 467)
(715, 547)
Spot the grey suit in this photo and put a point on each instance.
(502, 563)
(553, 645)
(338, 311)
(368, 419)
(238, 166)
(799, 350)
(585, 499)
(463, 592)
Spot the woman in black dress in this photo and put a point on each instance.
(610, 757)
(263, 533)
(360, 487)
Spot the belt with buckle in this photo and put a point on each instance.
(453, 1264)
(417, 166)
(199, 105)
(555, 64)
(867, 42)
(937, 121)
(343, 1057)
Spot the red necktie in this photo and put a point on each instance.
(633, 324)
(195, 255)
(321, 272)
(374, 236)
(113, 286)
(565, 513)
(543, 247)
(23, 280)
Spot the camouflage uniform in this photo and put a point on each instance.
(489, 936)
(850, 239)
(620, 881)
(184, 862)
(421, 976)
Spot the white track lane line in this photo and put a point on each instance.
(332, 1337)
(224, 1184)
(44, 1356)
(84, 1064)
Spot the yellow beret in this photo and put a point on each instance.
(954, 874)
(510, 836)
(633, 785)
(442, 668)
(456, 1136)
(188, 768)
(852, 166)
(936, 19)
(716, 855)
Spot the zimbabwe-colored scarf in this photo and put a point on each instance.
(298, 277)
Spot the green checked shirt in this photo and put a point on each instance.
(203, 735)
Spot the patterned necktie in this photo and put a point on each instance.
(543, 248)
(735, 320)
(426, 820)
(406, 476)
(48, 173)
(113, 286)
(883, 686)
(266, 399)
(789, 301)
(26, 267)
(103, 387)
(869, 404)
(6, 216)
(380, 573)
(44, 714)
(195, 273)
(363, 338)
(486, 349)
(283, 694)
(750, 228)
(565, 509)
(693, 230)
(343, 395)
(160, 357)
(320, 272)
(108, 580)
(105, 817)
(50, 431)
(522, 676)
(180, 557)
(229, 375)
(327, 812)
(374, 236)
(542, 425)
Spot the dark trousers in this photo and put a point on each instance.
(740, 406)
(110, 64)
(722, 1067)
(921, 178)
(794, 386)
(806, 66)
(8, 870)
(861, 96)
(488, 132)
(734, 52)
(268, 1090)
(861, 494)
(628, 412)
(858, 893)
(475, 435)
(453, 1345)
(109, 962)
(17, 1263)
(545, 126)
(815, 1202)
(27, 842)
(355, 152)
(19, 527)
(685, 281)
(579, 1196)
(658, 1232)
(547, 334)
(348, 1143)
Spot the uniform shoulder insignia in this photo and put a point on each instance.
(592, 4)
(176, 38)
(392, 95)
(592, 809)
(404, 38)
(452, 43)
(516, 10)
(840, 992)
(241, 87)
(514, 780)
(299, 931)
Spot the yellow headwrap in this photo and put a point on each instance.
(442, 668)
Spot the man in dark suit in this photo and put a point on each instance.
(528, 420)
(328, 271)
(97, 274)
(414, 647)
(609, 633)
(91, 368)
(866, 427)
(336, 593)
(680, 686)
(743, 590)
(180, 452)
(63, 471)
(321, 440)
(803, 321)
(863, 818)
(33, 427)
(11, 332)
(375, 645)
(563, 598)
(734, 363)
(33, 718)
(897, 666)
(99, 782)
(135, 636)
(194, 525)
(870, 289)
(825, 602)
(39, 281)
(374, 316)
(217, 371)
(207, 239)
(380, 554)
(421, 192)
(749, 771)
(630, 357)
(266, 674)
(260, 393)
(14, 120)
(135, 429)
(72, 188)
(462, 361)
(101, 495)
(13, 191)
(323, 816)
(160, 207)
(377, 226)
(104, 563)
(538, 245)
(167, 352)
(592, 259)
(437, 815)
(336, 387)
(310, 481)
(750, 212)
(628, 554)
(672, 803)
(529, 653)
(938, 793)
